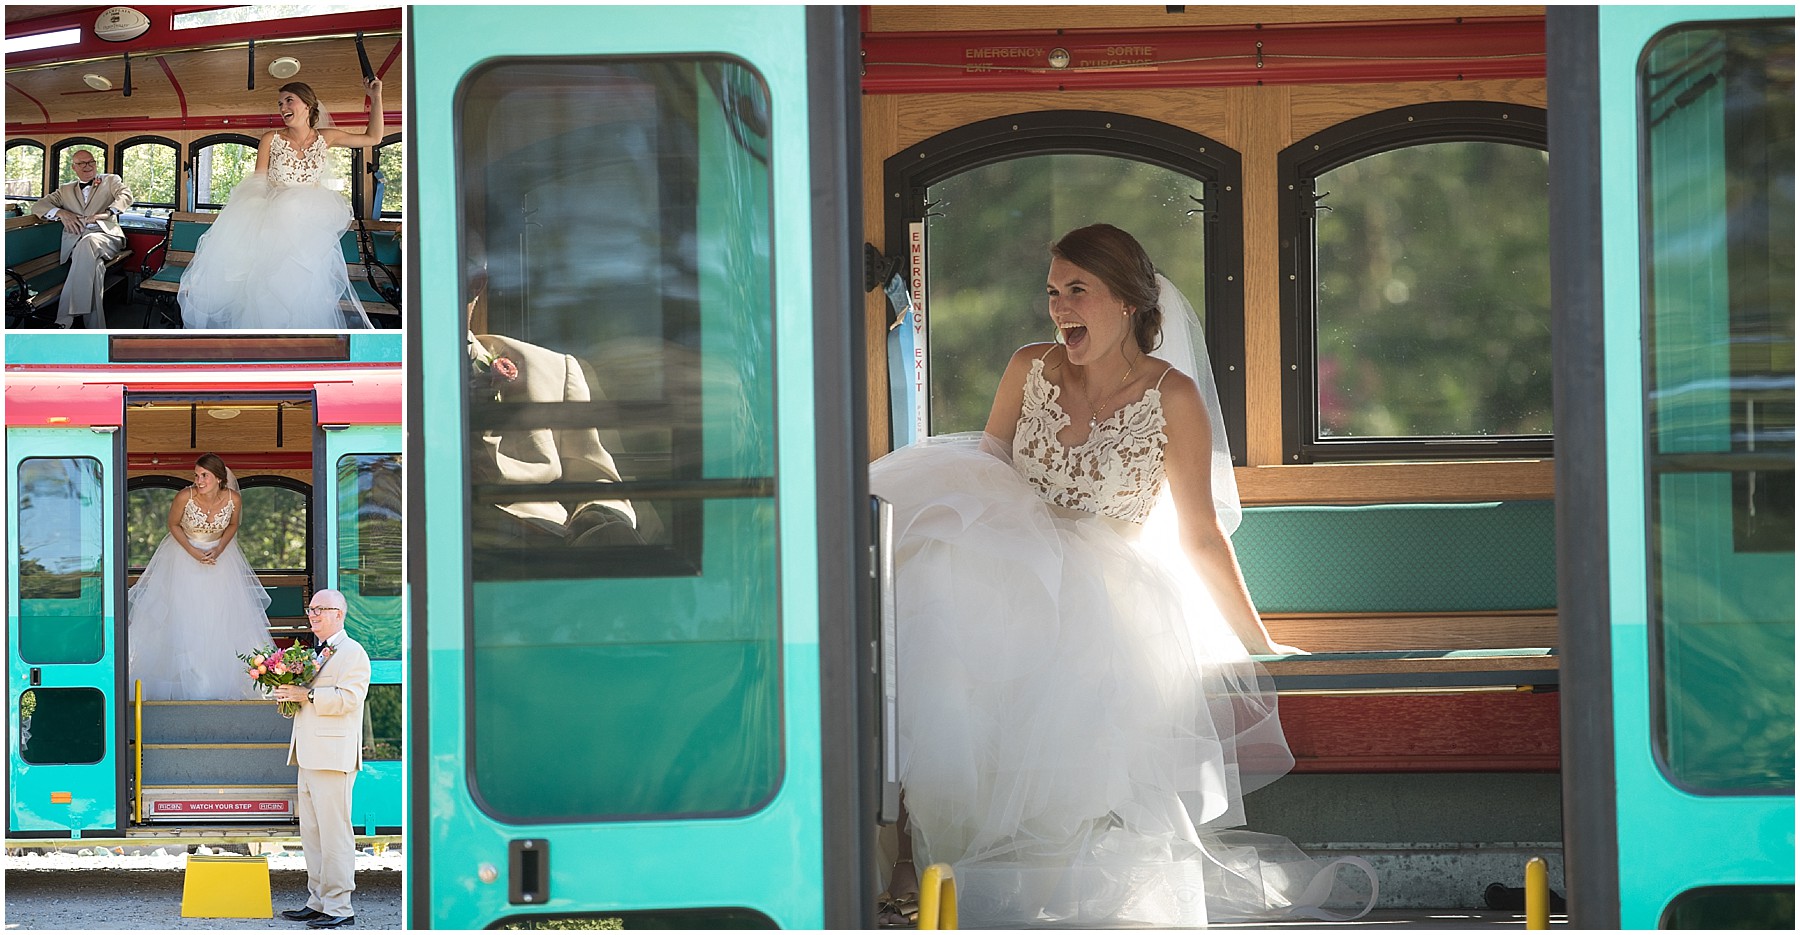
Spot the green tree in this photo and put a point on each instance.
(149, 173)
(24, 170)
(392, 159)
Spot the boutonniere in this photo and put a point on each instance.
(489, 373)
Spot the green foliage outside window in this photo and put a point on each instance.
(25, 171)
(271, 530)
(988, 234)
(219, 168)
(1433, 296)
(392, 159)
(149, 173)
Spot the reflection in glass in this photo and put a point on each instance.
(1719, 160)
(368, 550)
(381, 723)
(616, 247)
(62, 611)
(987, 238)
(1433, 293)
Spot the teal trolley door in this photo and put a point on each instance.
(632, 383)
(64, 670)
(1676, 462)
(359, 517)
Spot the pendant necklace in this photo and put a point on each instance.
(1094, 411)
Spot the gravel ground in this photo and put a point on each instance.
(67, 890)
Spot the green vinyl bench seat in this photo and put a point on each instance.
(35, 271)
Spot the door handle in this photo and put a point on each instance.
(528, 871)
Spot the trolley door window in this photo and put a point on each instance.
(368, 549)
(218, 164)
(615, 223)
(986, 231)
(62, 725)
(62, 611)
(1718, 132)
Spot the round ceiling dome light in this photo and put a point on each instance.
(285, 67)
(97, 82)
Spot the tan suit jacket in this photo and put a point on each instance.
(541, 456)
(328, 731)
(108, 195)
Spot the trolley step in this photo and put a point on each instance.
(186, 804)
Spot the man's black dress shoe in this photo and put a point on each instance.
(331, 922)
(303, 914)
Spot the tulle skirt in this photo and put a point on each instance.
(272, 259)
(1077, 721)
(188, 622)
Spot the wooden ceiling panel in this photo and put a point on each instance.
(169, 428)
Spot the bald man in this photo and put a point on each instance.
(327, 746)
(89, 210)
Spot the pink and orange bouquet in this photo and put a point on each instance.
(270, 667)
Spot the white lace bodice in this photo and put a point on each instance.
(198, 525)
(1116, 472)
(290, 166)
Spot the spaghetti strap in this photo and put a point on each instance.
(1165, 376)
(1053, 346)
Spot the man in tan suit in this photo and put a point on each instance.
(327, 746)
(89, 210)
(516, 371)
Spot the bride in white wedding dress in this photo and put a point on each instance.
(272, 258)
(198, 603)
(1079, 715)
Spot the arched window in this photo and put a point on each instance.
(216, 164)
(991, 195)
(149, 165)
(24, 170)
(1416, 275)
(275, 532)
(390, 161)
(64, 149)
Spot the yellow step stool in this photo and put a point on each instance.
(217, 886)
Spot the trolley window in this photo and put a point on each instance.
(991, 195)
(616, 230)
(218, 164)
(147, 163)
(63, 153)
(1718, 137)
(390, 161)
(1416, 274)
(272, 530)
(368, 549)
(24, 170)
(62, 611)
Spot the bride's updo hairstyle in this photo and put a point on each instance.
(215, 464)
(1120, 262)
(304, 92)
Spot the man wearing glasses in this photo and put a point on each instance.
(89, 210)
(327, 746)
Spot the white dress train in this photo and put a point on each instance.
(272, 258)
(188, 621)
(1078, 723)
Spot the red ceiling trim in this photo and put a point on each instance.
(1204, 56)
(21, 92)
(247, 123)
(180, 462)
(161, 36)
(180, 95)
(386, 63)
